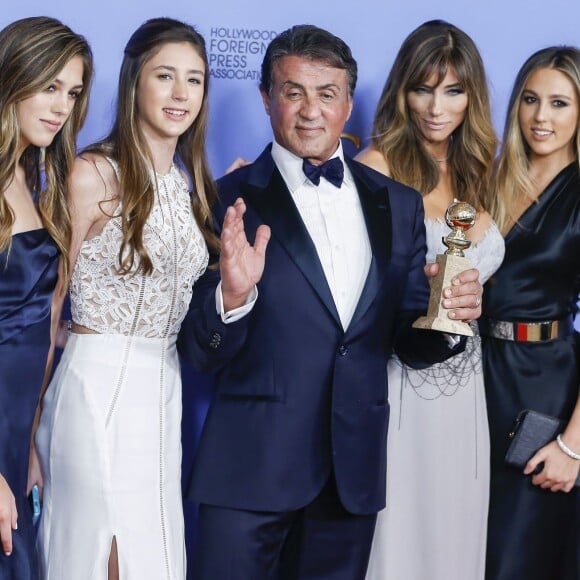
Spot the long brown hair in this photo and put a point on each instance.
(32, 53)
(512, 177)
(434, 48)
(127, 145)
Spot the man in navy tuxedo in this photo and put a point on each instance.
(290, 471)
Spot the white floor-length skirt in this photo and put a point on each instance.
(110, 448)
(435, 522)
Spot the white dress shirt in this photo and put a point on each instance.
(334, 219)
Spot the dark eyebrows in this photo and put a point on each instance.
(424, 83)
(293, 85)
(58, 82)
(174, 69)
(556, 96)
(325, 87)
(329, 86)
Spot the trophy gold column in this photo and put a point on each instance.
(460, 217)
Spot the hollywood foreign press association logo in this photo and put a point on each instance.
(237, 53)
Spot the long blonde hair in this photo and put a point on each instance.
(512, 177)
(434, 48)
(32, 53)
(127, 145)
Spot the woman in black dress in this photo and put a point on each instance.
(531, 352)
(45, 71)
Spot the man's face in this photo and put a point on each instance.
(308, 106)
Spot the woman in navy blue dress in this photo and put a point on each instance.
(531, 353)
(45, 72)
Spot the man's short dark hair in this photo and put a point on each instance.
(313, 43)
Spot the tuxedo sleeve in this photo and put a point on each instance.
(419, 348)
(205, 340)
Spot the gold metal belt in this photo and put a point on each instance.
(526, 331)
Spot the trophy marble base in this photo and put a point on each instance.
(437, 319)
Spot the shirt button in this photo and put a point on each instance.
(343, 350)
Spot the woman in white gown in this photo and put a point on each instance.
(433, 131)
(109, 434)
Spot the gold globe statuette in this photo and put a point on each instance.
(460, 217)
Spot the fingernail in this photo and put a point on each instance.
(447, 303)
(455, 282)
(452, 314)
(447, 292)
(7, 553)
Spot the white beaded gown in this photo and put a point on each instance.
(435, 521)
(109, 436)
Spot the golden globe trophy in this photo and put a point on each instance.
(460, 217)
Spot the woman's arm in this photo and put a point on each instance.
(560, 470)
(89, 190)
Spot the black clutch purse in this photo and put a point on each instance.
(531, 432)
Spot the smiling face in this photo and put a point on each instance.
(548, 115)
(308, 106)
(170, 91)
(41, 116)
(438, 109)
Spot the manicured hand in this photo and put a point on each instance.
(559, 472)
(463, 297)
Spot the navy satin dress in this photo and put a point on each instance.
(28, 274)
(533, 533)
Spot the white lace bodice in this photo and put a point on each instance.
(150, 306)
(486, 255)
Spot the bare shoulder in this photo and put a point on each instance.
(92, 173)
(93, 188)
(374, 159)
(484, 219)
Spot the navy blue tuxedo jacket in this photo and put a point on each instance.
(296, 395)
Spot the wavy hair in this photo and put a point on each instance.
(33, 51)
(512, 177)
(127, 145)
(432, 49)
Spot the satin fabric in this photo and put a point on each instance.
(533, 533)
(28, 274)
(109, 446)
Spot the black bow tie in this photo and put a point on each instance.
(332, 170)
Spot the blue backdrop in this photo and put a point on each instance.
(238, 31)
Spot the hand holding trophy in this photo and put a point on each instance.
(460, 216)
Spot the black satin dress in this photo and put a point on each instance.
(28, 274)
(533, 534)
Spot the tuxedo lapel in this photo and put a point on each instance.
(377, 213)
(268, 195)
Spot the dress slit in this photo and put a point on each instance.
(113, 565)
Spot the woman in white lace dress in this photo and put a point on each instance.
(433, 131)
(109, 434)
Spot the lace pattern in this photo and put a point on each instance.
(149, 306)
